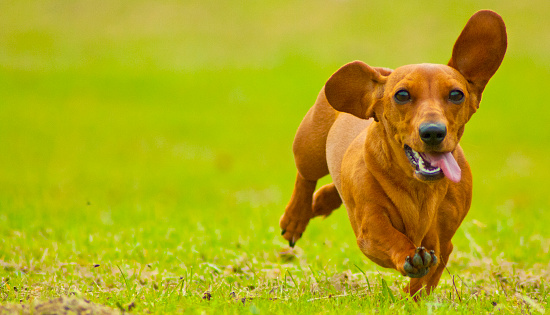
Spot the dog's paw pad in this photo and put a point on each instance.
(419, 265)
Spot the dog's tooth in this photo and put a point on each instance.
(416, 155)
(422, 166)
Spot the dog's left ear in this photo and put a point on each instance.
(480, 48)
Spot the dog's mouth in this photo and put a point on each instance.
(433, 166)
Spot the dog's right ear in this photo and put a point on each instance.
(355, 87)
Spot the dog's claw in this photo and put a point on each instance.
(283, 232)
(434, 257)
(420, 264)
(427, 259)
(292, 242)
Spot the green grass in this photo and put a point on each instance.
(146, 156)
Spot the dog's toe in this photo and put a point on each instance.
(408, 266)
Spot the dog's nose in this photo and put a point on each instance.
(432, 133)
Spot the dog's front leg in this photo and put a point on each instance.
(429, 282)
(381, 242)
(424, 286)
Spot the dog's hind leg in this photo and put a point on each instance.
(298, 212)
(310, 156)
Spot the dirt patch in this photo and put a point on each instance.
(62, 305)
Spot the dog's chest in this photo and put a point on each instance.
(414, 214)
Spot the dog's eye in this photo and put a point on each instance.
(456, 96)
(402, 97)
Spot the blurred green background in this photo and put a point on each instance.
(161, 131)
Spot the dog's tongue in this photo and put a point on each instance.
(447, 163)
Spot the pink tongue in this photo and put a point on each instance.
(447, 163)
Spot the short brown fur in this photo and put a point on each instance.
(356, 131)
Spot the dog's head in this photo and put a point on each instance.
(425, 107)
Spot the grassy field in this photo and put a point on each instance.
(146, 156)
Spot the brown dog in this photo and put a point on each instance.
(389, 139)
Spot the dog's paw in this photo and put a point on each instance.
(292, 228)
(419, 265)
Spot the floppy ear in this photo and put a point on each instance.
(354, 88)
(480, 48)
